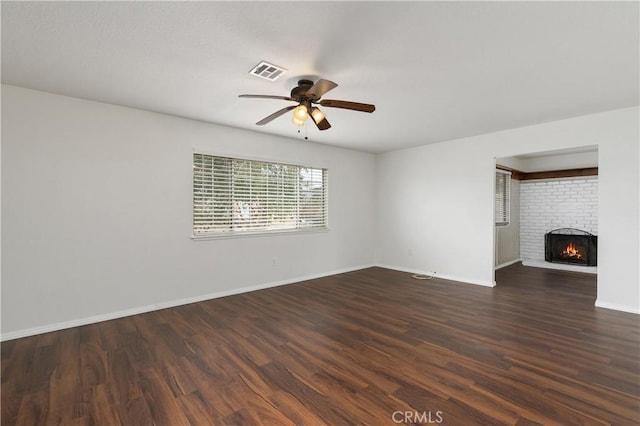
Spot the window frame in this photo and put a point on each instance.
(239, 233)
(506, 198)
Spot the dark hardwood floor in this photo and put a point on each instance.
(368, 347)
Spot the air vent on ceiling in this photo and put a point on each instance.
(267, 71)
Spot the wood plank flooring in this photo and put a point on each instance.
(368, 347)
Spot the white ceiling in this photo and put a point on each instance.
(435, 70)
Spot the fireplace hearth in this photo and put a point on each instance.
(571, 246)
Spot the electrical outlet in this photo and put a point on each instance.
(273, 261)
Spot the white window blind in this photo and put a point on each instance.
(503, 197)
(232, 195)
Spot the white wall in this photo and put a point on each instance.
(560, 162)
(435, 202)
(96, 209)
(552, 160)
(436, 211)
(96, 213)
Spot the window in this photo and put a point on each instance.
(233, 196)
(503, 197)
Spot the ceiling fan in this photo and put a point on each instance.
(306, 95)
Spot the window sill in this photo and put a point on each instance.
(248, 234)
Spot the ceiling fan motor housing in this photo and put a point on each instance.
(298, 92)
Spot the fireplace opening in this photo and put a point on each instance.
(571, 246)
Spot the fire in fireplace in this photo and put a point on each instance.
(572, 246)
(571, 251)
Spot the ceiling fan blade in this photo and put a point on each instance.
(275, 115)
(356, 106)
(321, 87)
(285, 98)
(322, 123)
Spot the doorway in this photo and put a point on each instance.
(549, 190)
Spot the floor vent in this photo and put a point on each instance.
(267, 71)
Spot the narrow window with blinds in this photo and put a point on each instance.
(503, 197)
(234, 196)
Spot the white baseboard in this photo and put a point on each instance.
(170, 304)
(617, 307)
(437, 275)
(504, 265)
(148, 308)
(560, 266)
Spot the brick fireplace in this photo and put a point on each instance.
(549, 204)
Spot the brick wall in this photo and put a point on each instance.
(546, 205)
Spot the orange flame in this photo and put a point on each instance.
(572, 251)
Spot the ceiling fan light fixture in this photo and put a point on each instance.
(317, 115)
(297, 122)
(301, 113)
